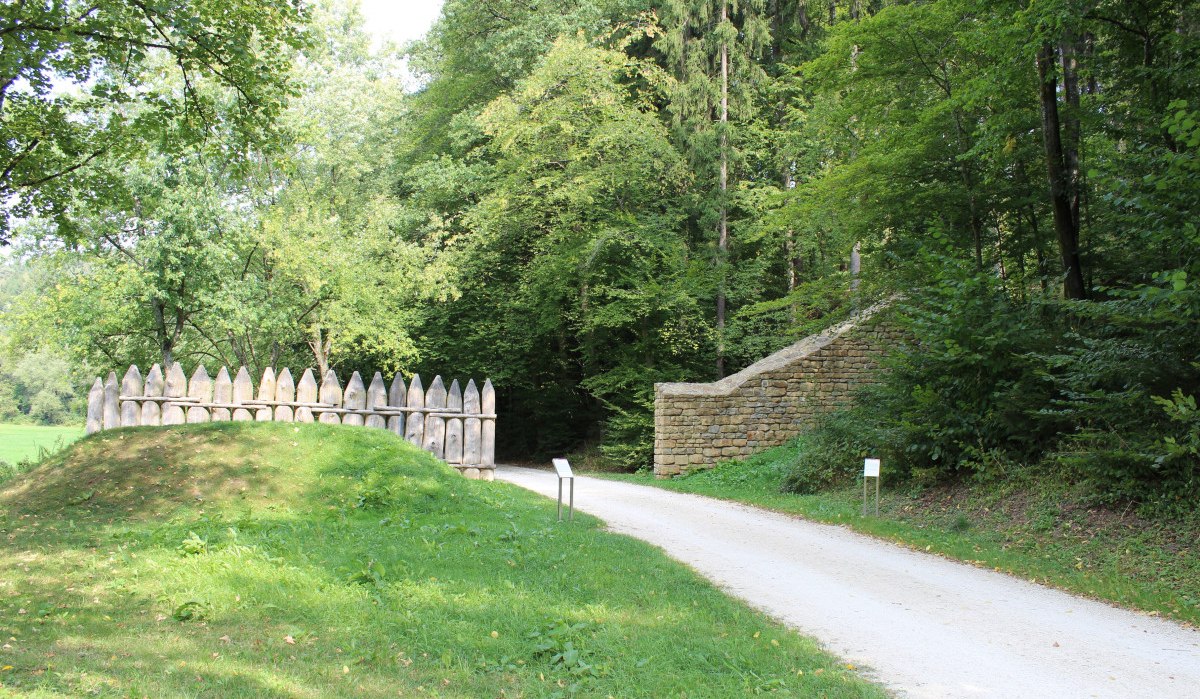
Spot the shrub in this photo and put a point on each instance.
(832, 454)
(967, 382)
(629, 440)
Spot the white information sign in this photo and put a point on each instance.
(562, 468)
(871, 468)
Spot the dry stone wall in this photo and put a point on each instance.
(698, 424)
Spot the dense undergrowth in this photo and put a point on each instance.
(1029, 523)
(279, 560)
(1100, 393)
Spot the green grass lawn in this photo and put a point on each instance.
(279, 560)
(20, 442)
(1026, 525)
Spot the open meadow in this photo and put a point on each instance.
(20, 442)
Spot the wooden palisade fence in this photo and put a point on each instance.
(455, 425)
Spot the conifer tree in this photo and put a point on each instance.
(713, 47)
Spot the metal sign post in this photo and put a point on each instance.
(563, 469)
(870, 470)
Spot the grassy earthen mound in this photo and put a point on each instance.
(279, 560)
(149, 473)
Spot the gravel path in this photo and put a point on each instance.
(922, 625)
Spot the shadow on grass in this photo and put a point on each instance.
(239, 560)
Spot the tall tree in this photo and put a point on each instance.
(712, 47)
(80, 80)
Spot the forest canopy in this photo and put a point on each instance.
(585, 197)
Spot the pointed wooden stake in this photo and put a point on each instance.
(200, 388)
(355, 398)
(435, 426)
(131, 385)
(472, 426)
(415, 430)
(151, 410)
(285, 392)
(487, 447)
(243, 390)
(376, 398)
(266, 391)
(176, 387)
(112, 409)
(397, 398)
(454, 425)
(95, 410)
(222, 393)
(331, 392)
(306, 392)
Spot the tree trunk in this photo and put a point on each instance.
(1065, 224)
(168, 338)
(855, 270)
(723, 232)
(1071, 131)
(795, 263)
(321, 345)
(166, 345)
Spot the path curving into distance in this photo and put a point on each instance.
(924, 626)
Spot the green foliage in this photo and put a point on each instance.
(193, 545)
(372, 574)
(965, 381)
(765, 470)
(1128, 374)
(546, 208)
(560, 644)
(573, 273)
(83, 80)
(24, 446)
(959, 396)
(258, 261)
(41, 387)
(192, 610)
(831, 455)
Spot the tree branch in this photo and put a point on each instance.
(43, 180)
